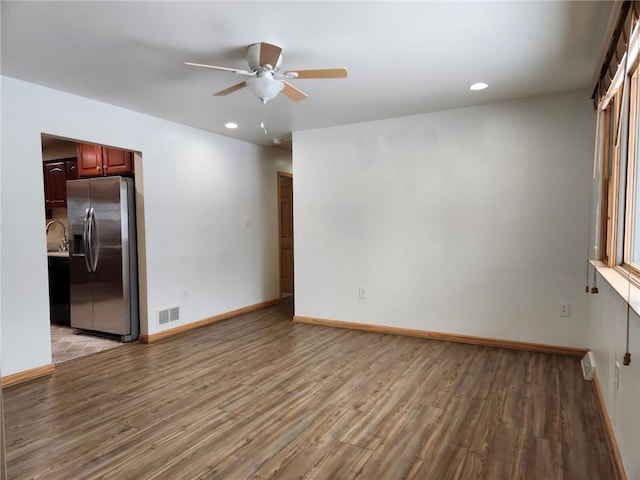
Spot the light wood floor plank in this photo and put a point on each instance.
(400, 449)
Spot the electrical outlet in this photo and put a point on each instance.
(185, 294)
(565, 309)
(616, 376)
(247, 222)
(362, 293)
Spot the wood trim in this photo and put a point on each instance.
(614, 198)
(27, 375)
(608, 431)
(603, 200)
(171, 332)
(632, 146)
(448, 337)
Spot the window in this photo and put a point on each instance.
(618, 151)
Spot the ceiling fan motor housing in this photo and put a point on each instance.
(253, 58)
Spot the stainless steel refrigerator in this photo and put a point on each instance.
(103, 271)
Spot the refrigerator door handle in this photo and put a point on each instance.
(85, 240)
(93, 238)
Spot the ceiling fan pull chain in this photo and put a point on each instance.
(262, 126)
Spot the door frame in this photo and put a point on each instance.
(279, 176)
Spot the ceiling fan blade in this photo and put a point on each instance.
(318, 73)
(231, 89)
(269, 54)
(292, 92)
(225, 69)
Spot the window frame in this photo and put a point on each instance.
(632, 149)
(620, 152)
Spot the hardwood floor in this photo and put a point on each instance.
(262, 397)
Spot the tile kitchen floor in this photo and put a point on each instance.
(65, 345)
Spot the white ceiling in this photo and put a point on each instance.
(403, 57)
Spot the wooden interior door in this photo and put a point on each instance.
(285, 227)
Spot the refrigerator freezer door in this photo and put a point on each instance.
(110, 313)
(80, 290)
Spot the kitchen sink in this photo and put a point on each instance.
(54, 247)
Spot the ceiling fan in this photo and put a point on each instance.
(266, 81)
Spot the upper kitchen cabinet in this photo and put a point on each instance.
(116, 161)
(98, 161)
(56, 174)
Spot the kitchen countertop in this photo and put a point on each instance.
(58, 254)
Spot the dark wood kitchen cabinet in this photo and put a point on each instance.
(72, 169)
(98, 161)
(56, 173)
(59, 302)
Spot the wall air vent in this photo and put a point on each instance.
(171, 314)
(588, 365)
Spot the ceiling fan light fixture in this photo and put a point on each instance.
(265, 87)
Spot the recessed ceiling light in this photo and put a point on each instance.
(231, 125)
(478, 86)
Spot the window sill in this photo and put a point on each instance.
(627, 289)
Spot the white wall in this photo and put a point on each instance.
(196, 187)
(607, 340)
(469, 221)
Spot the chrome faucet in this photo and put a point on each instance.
(64, 243)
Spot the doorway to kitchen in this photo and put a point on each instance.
(72, 305)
